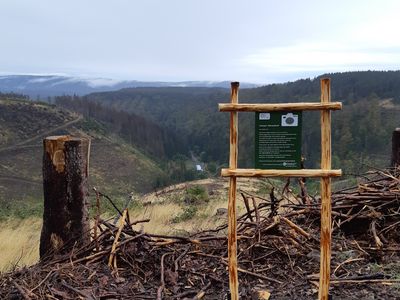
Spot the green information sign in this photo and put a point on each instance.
(278, 140)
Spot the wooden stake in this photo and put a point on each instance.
(326, 206)
(65, 175)
(115, 243)
(232, 230)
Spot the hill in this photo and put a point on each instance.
(117, 167)
(190, 113)
(156, 132)
(37, 86)
(361, 131)
(140, 132)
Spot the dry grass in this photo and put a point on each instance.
(161, 217)
(19, 243)
(20, 238)
(163, 206)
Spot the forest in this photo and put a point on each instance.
(190, 120)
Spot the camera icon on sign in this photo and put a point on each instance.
(290, 120)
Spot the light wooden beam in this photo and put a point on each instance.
(232, 222)
(265, 107)
(280, 173)
(326, 205)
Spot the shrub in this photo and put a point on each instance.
(196, 195)
(187, 214)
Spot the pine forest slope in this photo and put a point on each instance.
(116, 167)
(361, 131)
(138, 131)
(143, 136)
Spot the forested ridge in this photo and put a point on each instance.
(347, 87)
(361, 131)
(172, 124)
(160, 143)
(146, 135)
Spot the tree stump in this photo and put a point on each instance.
(395, 148)
(65, 176)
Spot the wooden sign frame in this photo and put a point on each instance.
(325, 106)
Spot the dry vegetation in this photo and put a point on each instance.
(278, 251)
(20, 238)
(19, 242)
(169, 209)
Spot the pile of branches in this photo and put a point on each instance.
(124, 263)
(278, 254)
(373, 204)
(369, 211)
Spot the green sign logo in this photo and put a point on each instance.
(278, 140)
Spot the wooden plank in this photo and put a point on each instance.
(232, 230)
(326, 205)
(265, 107)
(280, 173)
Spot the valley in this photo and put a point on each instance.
(178, 150)
(145, 138)
(146, 143)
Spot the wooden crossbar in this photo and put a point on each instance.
(265, 107)
(280, 173)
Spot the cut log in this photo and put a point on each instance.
(65, 174)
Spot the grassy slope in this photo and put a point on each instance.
(115, 167)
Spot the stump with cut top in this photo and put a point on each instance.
(65, 175)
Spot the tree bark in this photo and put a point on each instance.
(395, 148)
(65, 175)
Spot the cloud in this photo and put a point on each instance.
(101, 82)
(260, 41)
(323, 57)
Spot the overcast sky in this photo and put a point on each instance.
(260, 41)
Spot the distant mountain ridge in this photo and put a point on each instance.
(56, 85)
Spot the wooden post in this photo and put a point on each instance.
(65, 173)
(232, 230)
(326, 206)
(395, 148)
